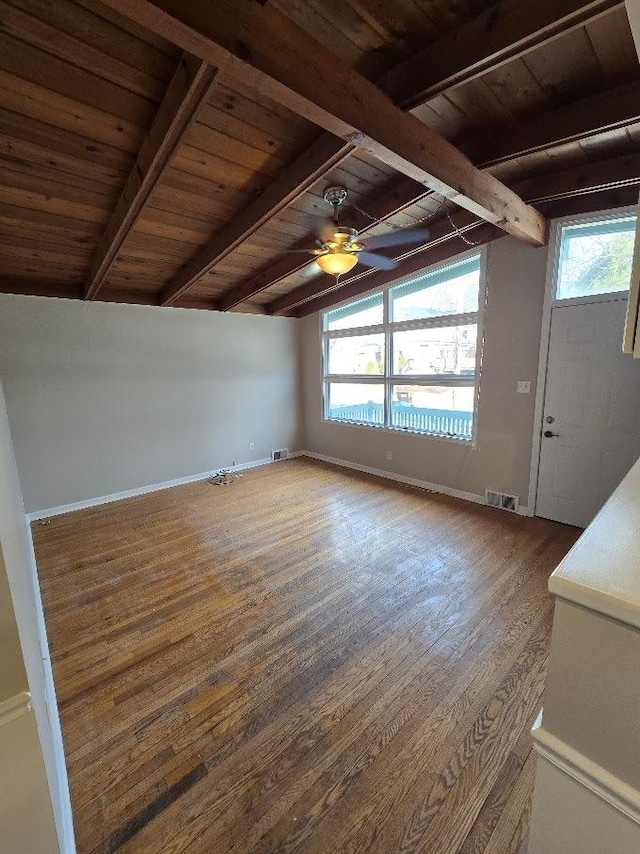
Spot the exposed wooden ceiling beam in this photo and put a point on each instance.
(403, 193)
(582, 119)
(599, 186)
(499, 34)
(288, 65)
(482, 234)
(188, 89)
(606, 175)
(604, 200)
(495, 36)
(440, 230)
(622, 171)
(610, 110)
(326, 153)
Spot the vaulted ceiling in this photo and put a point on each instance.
(174, 154)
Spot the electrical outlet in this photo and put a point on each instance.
(252, 446)
(523, 387)
(389, 455)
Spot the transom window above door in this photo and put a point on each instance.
(595, 257)
(408, 357)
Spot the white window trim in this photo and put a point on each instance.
(388, 379)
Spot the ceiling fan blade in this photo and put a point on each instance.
(397, 238)
(299, 251)
(370, 259)
(310, 270)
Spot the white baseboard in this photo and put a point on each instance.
(399, 478)
(15, 707)
(410, 481)
(181, 481)
(602, 783)
(141, 490)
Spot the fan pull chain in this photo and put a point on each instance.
(459, 233)
(424, 219)
(375, 219)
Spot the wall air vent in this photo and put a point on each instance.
(280, 454)
(502, 500)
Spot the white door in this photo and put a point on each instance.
(591, 418)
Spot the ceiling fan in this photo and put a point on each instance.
(340, 248)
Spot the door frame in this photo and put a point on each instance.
(553, 259)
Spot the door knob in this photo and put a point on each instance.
(548, 434)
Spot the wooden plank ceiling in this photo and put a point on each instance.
(134, 168)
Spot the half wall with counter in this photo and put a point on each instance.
(587, 794)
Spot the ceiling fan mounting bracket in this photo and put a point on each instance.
(335, 195)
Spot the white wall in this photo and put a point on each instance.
(502, 458)
(633, 13)
(18, 557)
(104, 398)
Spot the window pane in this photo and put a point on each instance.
(363, 312)
(361, 402)
(451, 290)
(442, 410)
(595, 258)
(445, 350)
(357, 354)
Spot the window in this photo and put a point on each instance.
(408, 358)
(595, 257)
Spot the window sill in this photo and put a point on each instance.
(469, 442)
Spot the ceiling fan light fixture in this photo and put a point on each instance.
(337, 263)
(338, 247)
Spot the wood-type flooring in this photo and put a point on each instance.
(307, 660)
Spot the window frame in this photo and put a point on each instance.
(555, 250)
(387, 328)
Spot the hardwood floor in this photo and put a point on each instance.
(306, 660)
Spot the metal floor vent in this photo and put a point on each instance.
(502, 500)
(280, 454)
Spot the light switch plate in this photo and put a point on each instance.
(523, 387)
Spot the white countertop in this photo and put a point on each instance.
(602, 570)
